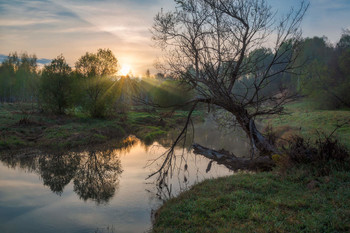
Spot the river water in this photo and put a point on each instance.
(101, 190)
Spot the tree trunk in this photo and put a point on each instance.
(257, 140)
(262, 163)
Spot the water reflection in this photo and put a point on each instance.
(209, 135)
(95, 174)
(79, 181)
(177, 165)
(57, 171)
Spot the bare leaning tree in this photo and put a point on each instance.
(217, 47)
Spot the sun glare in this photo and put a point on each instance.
(125, 69)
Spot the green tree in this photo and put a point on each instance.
(344, 42)
(56, 86)
(97, 76)
(92, 65)
(7, 77)
(171, 92)
(326, 75)
(18, 78)
(27, 77)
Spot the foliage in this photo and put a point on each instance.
(127, 89)
(301, 143)
(57, 86)
(99, 96)
(102, 63)
(96, 73)
(171, 93)
(326, 75)
(18, 78)
(62, 132)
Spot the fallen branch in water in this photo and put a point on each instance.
(262, 163)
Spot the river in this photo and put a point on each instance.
(102, 190)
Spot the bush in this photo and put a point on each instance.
(99, 96)
(326, 154)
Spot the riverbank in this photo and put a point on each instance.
(303, 119)
(291, 198)
(22, 127)
(262, 202)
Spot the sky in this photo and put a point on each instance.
(49, 28)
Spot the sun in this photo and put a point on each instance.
(125, 69)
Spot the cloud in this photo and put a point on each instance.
(21, 22)
(327, 18)
(49, 27)
(40, 61)
(323, 18)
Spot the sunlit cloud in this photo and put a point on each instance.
(20, 22)
(49, 28)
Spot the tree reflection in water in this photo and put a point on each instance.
(58, 170)
(177, 169)
(97, 176)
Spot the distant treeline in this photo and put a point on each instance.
(325, 74)
(321, 72)
(18, 78)
(92, 87)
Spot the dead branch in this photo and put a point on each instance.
(232, 162)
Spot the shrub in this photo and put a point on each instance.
(326, 154)
(99, 96)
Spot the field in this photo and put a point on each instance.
(303, 119)
(22, 127)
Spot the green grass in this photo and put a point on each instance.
(274, 201)
(304, 119)
(50, 132)
(154, 135)
(10, 141)
(262, 202)
(150, 127)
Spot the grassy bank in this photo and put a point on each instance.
(263, 202)
(292, 198)
(21, 127)
(305, 120)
